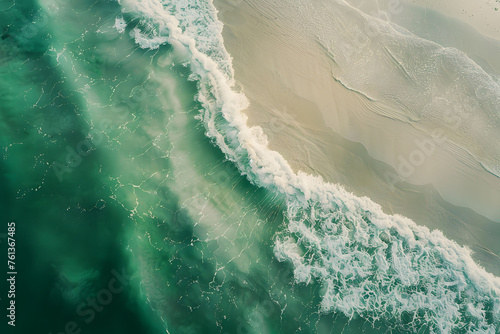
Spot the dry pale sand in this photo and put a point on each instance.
(323, 128)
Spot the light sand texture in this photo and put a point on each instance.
(324, 128)
(480, 14)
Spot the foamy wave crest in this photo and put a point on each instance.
(387, 268)
(384, 268)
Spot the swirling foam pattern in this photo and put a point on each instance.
(384, 268)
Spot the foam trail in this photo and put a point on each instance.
(381, 267)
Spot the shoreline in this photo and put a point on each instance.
(314, 122)
(480, 14)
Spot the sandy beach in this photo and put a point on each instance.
(323, 127)
(250, 166)
(483, 15)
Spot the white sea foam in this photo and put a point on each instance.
(372, 264)
(120, 24)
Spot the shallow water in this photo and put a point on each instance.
(124, 149)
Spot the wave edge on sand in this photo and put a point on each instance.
(374, 265)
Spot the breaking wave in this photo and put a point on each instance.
(383, 268)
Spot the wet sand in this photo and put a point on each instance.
(479, 14)
(322, 127)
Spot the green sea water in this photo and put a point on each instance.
(105, 169)
(132, 217)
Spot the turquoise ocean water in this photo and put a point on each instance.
(145, 204)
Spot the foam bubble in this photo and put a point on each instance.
(120, 24)
(372, 264)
